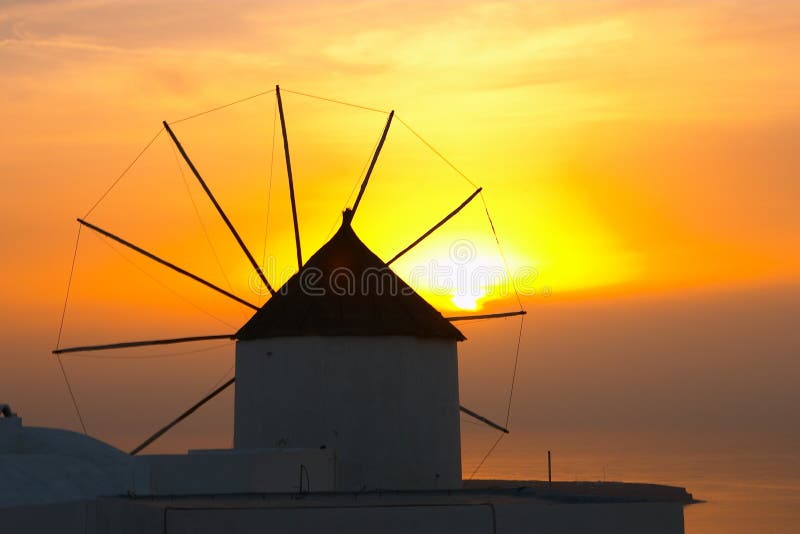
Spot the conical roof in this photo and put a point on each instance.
(346, 290)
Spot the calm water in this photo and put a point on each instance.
(747, 488)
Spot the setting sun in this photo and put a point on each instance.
(466, 302)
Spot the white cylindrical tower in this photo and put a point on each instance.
(348, 357)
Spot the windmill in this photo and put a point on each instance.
(344, 355)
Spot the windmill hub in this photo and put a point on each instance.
(347, 216)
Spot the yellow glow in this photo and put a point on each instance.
(466, 302)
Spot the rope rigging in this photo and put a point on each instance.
(166, 263)
(333, 100)
(441, 156)
(200, 219)
(110, 245)
(486, 456)
(124, 172)
(502, 254)
(152, 356)
(229, 104)
(269, 185)
(61, 328)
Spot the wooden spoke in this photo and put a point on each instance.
(436, 226)
(146, 343)
(166, 263)
(219, 209)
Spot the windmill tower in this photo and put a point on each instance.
(344, 356)
(349, 357)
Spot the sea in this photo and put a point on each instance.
(746, 485)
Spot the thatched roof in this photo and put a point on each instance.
(346, 290)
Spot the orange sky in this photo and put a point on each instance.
(625, 147)
(619, 143)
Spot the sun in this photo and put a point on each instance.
(466, 302)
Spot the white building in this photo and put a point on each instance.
(346, 420)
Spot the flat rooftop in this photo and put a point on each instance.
(474, 492)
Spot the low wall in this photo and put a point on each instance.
(386, 514)
(60, 518)
(237, 471)
(390, 515)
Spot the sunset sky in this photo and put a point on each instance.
(640, 156)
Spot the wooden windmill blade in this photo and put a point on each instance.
(166, 263)
(487, 316)
(221, 212)
(435, 226)
(291, 179)
(145, 343)
(372, 163)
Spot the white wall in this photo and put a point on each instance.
(402, 519)
(388, 406)
(74, 517)
(222, 472)
(366, 514)
(497, 515)
(9, 434)
(49, 465)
